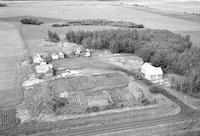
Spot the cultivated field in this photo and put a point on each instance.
(11, 52)
(106, 10)
(189, 6)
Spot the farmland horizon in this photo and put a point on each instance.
(165, 14)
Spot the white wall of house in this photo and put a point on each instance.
(151, 73)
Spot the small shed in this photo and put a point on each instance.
(87, 53)
(78, 51)
(61, 55)
(151, 73)
(54, 56)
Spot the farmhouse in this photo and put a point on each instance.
(151, 73)
(37, 59)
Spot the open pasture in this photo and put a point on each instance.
(95, 10)
(11, 52)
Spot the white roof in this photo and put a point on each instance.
(147, 66)
(43, 68)
(151, 70)
(54, 56)
(61, 53)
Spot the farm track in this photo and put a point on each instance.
(125, 126)
(187, 113)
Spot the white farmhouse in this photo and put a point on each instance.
(37, 59)
(151, 73)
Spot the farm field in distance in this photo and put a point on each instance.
(105, 10)
(77, 68)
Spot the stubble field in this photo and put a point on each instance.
(11, 52)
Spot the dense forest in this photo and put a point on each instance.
(173, 52)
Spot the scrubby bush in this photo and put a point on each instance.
(53, 36)
(156, 89)
(3, 5)
(31, 21)
(145, 101)
(60, 25)
(92, 109)
(140, 26)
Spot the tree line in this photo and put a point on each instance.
(98, 22)
(31, 21)
(173, 52)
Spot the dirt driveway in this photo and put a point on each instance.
(11, 52)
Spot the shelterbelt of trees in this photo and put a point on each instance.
(173, 52)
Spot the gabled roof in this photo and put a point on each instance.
(43, 68)
(151, 70)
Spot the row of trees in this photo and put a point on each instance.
(98, 22)
(173, 52)
(31, 21)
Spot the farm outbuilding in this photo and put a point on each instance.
(44, 68)
(151, 73)
(54, 56)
